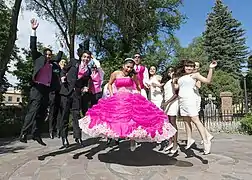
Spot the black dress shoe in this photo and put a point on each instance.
(65, 143)
(39, 140)
(23, 138)
(79, 141)
(51, 135)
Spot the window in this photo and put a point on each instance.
(9, 98)
(18, 99)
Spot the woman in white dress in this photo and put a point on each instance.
(171, 108)
(187, 98)
(155, 94)
(188, 125)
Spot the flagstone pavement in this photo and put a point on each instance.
(231, 159)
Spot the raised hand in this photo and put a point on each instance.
(213, 64)
(34, 24)
(61, 44)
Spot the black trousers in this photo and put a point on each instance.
(71, 104)
(88, 100)
(36, 111)
(54, 107)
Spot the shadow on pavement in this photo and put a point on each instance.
(142, 156)
(190, 153)
(72, 147)
(4, 149)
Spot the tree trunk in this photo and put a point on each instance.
(72, 30)
(5, 59)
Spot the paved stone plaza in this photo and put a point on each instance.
(231, 159)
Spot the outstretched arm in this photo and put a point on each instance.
(60, 53)
(146, 79)
(33, 40)
(208, 79)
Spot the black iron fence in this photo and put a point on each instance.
(211, 114)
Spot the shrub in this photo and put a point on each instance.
(246, 124)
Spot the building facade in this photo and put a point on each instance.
(12, 97)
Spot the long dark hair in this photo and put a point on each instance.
(165, 76)
(130, 60)
(180, 68)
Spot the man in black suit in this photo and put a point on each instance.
(54, 101)
(75, 76)
(43, 81)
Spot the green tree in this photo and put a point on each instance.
(61, 12)
(5, 23)
(224, 39)
(8, 34)
(222, 81)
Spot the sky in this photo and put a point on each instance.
(195, 10)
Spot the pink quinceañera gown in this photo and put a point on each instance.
(127, 115)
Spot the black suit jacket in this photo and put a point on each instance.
(70, 71)
(40, 60)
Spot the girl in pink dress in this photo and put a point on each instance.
(126, 114)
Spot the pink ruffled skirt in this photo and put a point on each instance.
(127, 115)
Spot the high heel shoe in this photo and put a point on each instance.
(173, 151)
(189, 143)
(168, 147)
(210, 138)
(207, 147)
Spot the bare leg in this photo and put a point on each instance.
(175, 137)
(202, 131)
(188, 128)
(133, 145)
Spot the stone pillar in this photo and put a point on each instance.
(226, 105)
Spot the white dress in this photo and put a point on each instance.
(198, 98)
(187, 97)
(172, 108)
(155, 93)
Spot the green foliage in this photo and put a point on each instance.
(4, 25)
(222, 81)
(224, 40)
(195, 51)
(160, 53)
(246, 124)
(5, 19)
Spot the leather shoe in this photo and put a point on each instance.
(79, 141)
(65, 143)
(51, 135)
(23, 138)
(39, 140)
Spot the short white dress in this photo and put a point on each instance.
(172, 108)
(155, 93)
(188, 104)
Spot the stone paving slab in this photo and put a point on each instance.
(231, 159)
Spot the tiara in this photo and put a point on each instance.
(128, 59)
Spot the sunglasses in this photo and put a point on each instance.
(137, 56)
